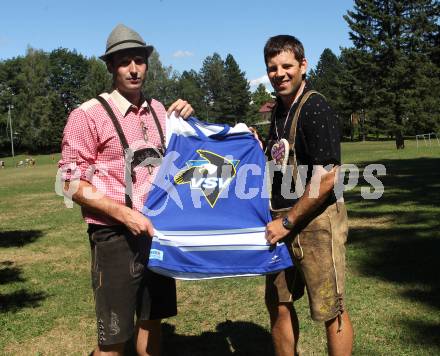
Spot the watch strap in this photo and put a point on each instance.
(287, 224)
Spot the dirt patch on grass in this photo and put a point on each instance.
(56, 256)
(206, 304)
(63, 339)
(28, 206)
(372, 223)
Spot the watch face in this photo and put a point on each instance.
(287, 224)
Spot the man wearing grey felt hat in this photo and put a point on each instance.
(99, 134)
(122, 38)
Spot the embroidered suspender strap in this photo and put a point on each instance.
(128, 155)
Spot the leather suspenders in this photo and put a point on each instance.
(131, 156)
(292, 155)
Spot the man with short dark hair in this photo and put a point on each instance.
(304, 132)
(106, 148)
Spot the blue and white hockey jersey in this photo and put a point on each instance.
(209, 205)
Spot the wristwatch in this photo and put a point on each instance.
(287, 224)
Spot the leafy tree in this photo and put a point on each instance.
(44, 88)
(236, 98)
(34, 103)
(212, 75)
(68, 82)
(258, 98)
(225, 88)
(392, 51)
(327, 72)
(356, 88)
(67, 77)
(161, 82)
(10, 86)
(423, 52)
(326, 78)
(190, 89)
(98, 79)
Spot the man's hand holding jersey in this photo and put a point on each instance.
(316, 192)
(181, 108)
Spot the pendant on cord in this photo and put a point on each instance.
(280, 154)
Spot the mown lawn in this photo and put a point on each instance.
(393, 288)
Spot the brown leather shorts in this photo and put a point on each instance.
(318, 253)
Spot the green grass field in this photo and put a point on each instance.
(393, 256)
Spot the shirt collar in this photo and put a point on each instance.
(123, 104)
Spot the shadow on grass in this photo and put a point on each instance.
(9, 274)
(414, 180)
(19, 238)
(231, 338)
(22, 298)
(406, 249)
(430, 331)
(17, 300)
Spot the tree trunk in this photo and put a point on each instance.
(400, 141)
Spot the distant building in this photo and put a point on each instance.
(265, 112)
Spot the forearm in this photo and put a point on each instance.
(89, 198)
(315, 194)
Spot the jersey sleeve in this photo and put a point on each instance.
(79, 146)
(321, 132)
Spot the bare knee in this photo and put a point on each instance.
(338, 323)
(280, 313)
(284, 310)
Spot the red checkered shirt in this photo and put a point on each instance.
(91, 149)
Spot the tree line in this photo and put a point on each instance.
(44, 87)
(386, 85)
(389, 81)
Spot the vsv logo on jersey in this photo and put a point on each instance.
(211, 175)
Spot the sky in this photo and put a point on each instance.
(183, 32)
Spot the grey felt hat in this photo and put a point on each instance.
(122, 38)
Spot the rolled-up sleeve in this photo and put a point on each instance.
(79, 147)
